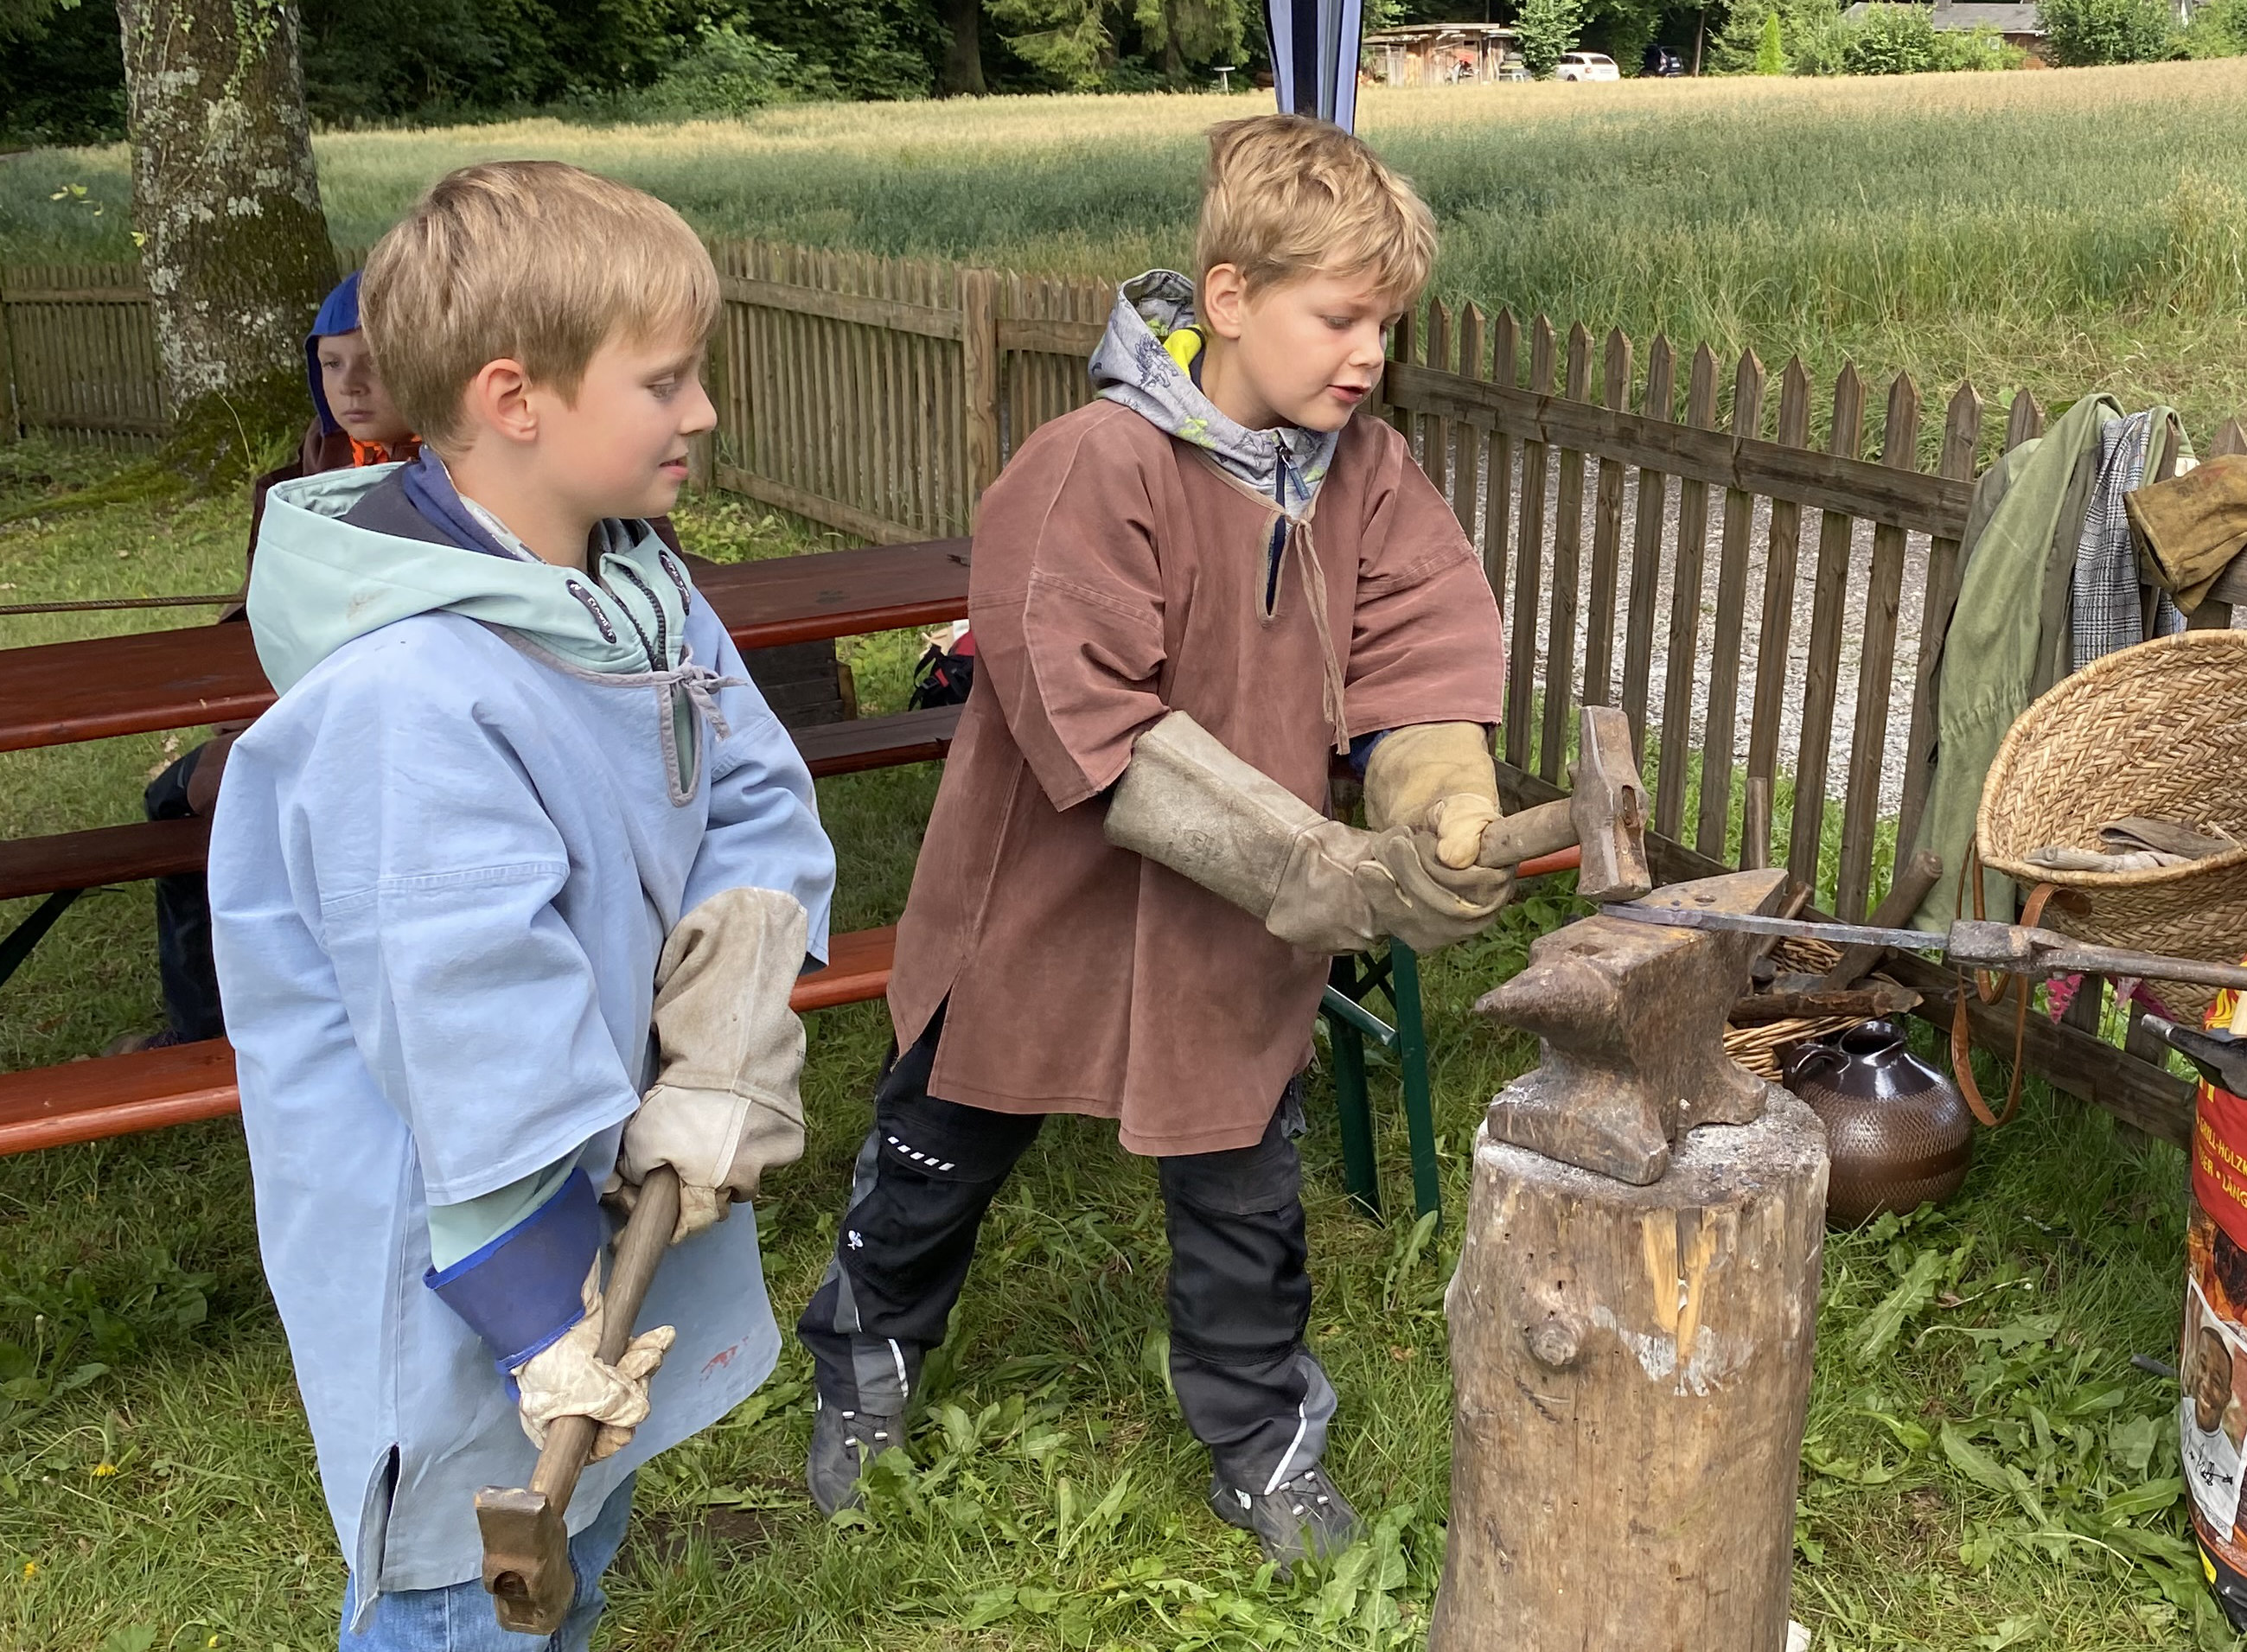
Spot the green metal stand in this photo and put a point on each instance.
(1351, 1024)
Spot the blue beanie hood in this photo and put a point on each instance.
(339, 313)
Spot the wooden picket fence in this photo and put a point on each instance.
(78, 351)
(881, 396)
(1762, 597)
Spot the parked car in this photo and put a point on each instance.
(1587, 65)
(1661, 60)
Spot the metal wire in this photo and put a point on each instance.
(91, 606)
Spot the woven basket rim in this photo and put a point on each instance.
(2025, 728)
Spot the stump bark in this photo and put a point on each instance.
(1632, 1368)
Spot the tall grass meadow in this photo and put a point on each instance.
(2068, 230)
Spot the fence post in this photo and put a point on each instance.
(15, 429)
(978, 378)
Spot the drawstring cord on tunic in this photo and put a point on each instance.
(1314, 592)
(701, 685)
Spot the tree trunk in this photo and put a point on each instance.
(228, 205)
(1631, 1367)
(963, 51)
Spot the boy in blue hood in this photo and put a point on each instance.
(509, 889)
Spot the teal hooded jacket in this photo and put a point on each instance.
(442, 869)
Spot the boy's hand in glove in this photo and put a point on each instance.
(1188, 803)
(1438, 779)
(724, 1108)
(1435, 906)
(567, 1378)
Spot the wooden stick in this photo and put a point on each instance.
(1874, 1002)
(1755, 825)
(1913, 881)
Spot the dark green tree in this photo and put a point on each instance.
(62, 78)
(1548, 28)
(2081, 33)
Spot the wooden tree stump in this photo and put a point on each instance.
(1632, 1370)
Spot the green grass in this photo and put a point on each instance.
(2068, 231)
(167, 1500)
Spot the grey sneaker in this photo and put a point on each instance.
(1303, 1516)
(843, 1444)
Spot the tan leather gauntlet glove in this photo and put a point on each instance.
(1188, 803)
(724, 1108)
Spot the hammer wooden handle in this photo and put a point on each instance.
(1512, 839)
(639, 1248)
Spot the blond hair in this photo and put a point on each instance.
(532, 261)
(1286, 197)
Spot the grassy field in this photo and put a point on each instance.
(2071, 230)
(1984, 1468)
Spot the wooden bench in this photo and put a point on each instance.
(89, 1101)
(63, 865)
(57, 693)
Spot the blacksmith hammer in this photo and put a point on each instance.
(2221, 1058)
(1605, 812)
(526, 1543)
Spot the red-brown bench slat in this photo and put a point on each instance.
(162, 848)
(54, 693)
(117, 1095)
(859, 743)
(102, 855)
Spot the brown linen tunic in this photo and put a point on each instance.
(1119, 575)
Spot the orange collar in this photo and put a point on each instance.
(375, 452)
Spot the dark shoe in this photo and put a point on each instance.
(1304, 1517)
(132, 1043)
(843, 1444)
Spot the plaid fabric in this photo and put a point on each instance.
(2108, 608)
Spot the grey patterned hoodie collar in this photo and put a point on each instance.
(1131, 368)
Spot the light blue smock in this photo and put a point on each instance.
(442, 869)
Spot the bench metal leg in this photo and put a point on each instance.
(1412, 1057)
(16, 946)
(1361, 1175)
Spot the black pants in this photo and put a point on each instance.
(1239, 1295)
(183, 921)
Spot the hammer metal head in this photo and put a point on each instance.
(526, 1558)
(1608, 807)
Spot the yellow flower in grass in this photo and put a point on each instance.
(30, 1568)
(102, 1471)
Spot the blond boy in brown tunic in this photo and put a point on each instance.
(1187, 598)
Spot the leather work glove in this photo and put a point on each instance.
(1435, 778)
(724, 1108)
(1188, 803)
(567, 1378)
(1435, 906)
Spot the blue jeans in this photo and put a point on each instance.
(461, 1619)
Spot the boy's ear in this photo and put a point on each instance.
(1223, 296)
(498, 400)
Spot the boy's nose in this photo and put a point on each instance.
(699, 413)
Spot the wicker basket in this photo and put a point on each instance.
(1761, 1047)
(2158, 730)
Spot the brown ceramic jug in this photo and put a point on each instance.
(1897, 1131)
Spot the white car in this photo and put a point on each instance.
(1587, 65)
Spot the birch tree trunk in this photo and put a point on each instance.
(227, 203)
